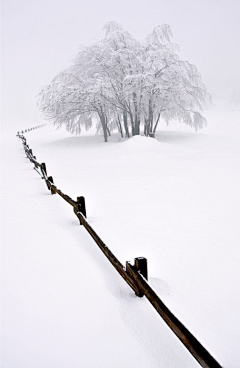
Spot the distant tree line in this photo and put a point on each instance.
(125, 84)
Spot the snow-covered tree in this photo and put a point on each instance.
(125, 84)
(174, 89)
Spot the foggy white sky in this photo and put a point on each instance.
(40, 38)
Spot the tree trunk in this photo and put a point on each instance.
(119, 126)
(137, 126)
(150, 117)
(136, 120)
(103, 123)
(106, 122)
(125, 121)
(104, 129)
(132, 123)
(146, 127)
(155, 127)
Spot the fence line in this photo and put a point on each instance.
(30, 129)
(134, 275)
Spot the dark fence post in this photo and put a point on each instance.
(50, 178)
(141, 266)
(81, 206)
(43, 169)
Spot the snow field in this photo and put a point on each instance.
(174, 200)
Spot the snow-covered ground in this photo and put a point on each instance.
(174, 200)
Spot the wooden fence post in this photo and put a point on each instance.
(43, 170)
(141, 266)
(50, 178)
(81, 206)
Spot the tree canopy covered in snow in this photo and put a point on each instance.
(126, 84)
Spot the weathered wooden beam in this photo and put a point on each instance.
(81, 206)
(66, 198)
(204, 358)
(51, 186)
(110, 256)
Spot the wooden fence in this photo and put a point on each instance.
(30, 129)
(135, 275)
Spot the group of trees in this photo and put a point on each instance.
(125, 84)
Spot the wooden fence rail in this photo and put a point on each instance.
(30, 129)
(134, 275)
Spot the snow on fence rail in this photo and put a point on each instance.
(135, 275)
